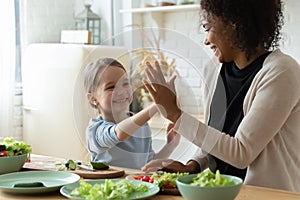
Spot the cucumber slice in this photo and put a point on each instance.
(99, 165)
(70, 164)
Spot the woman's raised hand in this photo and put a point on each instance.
(162, 92)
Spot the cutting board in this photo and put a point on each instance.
(112, 172)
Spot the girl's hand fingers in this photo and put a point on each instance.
(160, 75)
(150, 89)
(171, 84)
(170, 126)
(155, 74)
(150, 72)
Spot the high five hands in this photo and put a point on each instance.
(162, 92)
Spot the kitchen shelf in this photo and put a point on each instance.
(162, 9)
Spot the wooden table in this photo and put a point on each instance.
(247, 192)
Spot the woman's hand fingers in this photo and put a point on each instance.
(174, 167)
(155, 165)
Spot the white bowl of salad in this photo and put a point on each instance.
(13, 154)
(209, 186)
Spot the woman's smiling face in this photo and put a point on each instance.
(219, 38)
(114, 92)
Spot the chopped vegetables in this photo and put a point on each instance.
(166, 180)
(145, 178)
(73, 165)
(10, 147)
(209, 179)
(121, 189)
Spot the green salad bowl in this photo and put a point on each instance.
(191, 192)
(9, 164)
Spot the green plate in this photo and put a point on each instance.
(36, 181)
(153, 189)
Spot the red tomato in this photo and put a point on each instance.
(3, 153)
(146, 178)
(27, 159)
(151, 180)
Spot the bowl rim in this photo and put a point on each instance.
(21, 155)
(240, 182)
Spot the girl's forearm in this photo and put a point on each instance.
(129, 126)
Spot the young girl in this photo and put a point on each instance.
(118, 136)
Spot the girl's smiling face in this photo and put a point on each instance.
(114, 93)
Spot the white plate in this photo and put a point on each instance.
(153, 189)
(36, 181)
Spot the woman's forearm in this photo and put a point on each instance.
(166, 150)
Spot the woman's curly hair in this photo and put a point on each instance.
(257, 22)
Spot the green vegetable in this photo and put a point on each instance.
(167, 178)
(70, 164)
(108, 190)
(209, 179)
(13, 147)
(99, 165)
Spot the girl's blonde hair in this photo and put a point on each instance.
(92, 73)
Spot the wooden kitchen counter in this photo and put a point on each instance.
(247, 192)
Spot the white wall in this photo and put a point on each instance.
(291, 31)
(43, 20)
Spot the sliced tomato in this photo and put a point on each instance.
(137, 177)
(144, 178)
